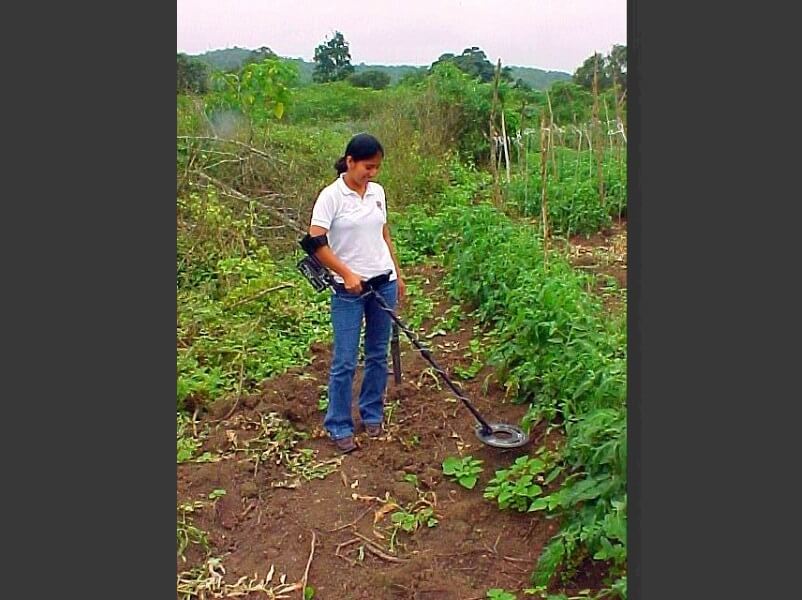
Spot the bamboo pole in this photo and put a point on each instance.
(506, 147)
(597, 132)
(493, 134)
(525, 148)
(551, 128)
(544, 213)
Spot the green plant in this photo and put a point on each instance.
(419, 305)
(500, 594)
(409, 520)
(186, 443)
(323, 398)
(452, 317)
(261, 90)
(476, 365)
(464, 471)
(553, 345)
(518, 486)
(186, 532)
(411, 478)
(216, 493)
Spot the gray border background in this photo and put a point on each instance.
(88, 245)
(713, 310)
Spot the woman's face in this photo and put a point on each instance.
(363, 171)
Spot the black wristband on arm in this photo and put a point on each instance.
(311, 244)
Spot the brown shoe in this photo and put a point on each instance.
(373, 430)
(345, 445)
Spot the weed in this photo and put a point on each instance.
(186, 532)
(464, 471)
(500, 594)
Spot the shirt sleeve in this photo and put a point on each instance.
(324, 211)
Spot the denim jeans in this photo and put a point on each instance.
(347, 314)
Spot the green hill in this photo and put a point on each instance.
(538, 78)
(224, 59)
(232, 58)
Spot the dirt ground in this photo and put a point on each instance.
(604, 254)
(265, 521)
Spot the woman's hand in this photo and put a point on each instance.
(402, 290)
(352, 283)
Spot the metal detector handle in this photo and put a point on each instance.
(395, 351)
(374, 283)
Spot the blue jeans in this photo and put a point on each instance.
(347, 313)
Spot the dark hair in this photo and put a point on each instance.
(361, 147)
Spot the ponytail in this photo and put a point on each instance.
(341, 166)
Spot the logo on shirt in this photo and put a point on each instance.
(379, 204)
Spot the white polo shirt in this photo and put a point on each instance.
(355, 226)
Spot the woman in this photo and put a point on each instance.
(349, 227)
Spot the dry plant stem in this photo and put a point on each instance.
(513, 559)
(260, 294)
(308, 564)
(343, 545)
(261, 153)
(229, 191)
(374, 548)
(379, 554)
(352, 523)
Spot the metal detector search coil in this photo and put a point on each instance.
(501, 435)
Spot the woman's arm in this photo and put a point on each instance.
(402, 288)
(325, 255)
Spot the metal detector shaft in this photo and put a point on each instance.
(395, 352)
(428, 356)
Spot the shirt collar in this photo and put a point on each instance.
(344, 189)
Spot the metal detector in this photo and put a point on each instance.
(497, 435)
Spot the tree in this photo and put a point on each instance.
(261, 91)
(570, 102)
(474, 62)
(612, 65)
(332, 60)
(520, 84)
(617, 65)
(584, 75)
(192, 75)
(258, 55)
(372, 78)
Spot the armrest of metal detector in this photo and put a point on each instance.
(318, 275)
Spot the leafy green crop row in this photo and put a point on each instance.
(556, 349)
(573, 199)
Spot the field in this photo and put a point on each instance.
(515, 259)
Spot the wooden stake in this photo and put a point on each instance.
(544, 214)
(551, 129)
(525, 149)
(504, 141)
(597, 132)
(493, 134)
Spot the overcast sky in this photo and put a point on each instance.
(548, 34)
